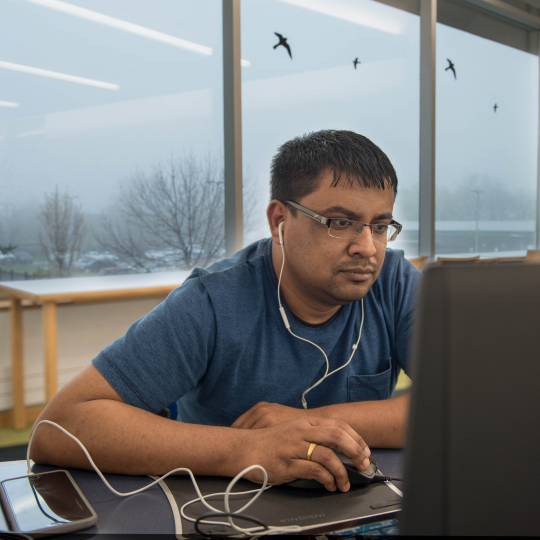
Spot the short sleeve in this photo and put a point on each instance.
(166, 353)
(408, 279)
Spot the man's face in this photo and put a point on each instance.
(336, 271)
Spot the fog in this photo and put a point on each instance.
(89, 140)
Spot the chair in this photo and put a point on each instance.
(533, 256)
(456, 261)
(419, 262)
(499, 261)
(510, 260)
(488, 262)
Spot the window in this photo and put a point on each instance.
(321, 88)
(110, 110)
(111, 115)
(487, 145)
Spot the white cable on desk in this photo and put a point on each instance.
(254, 531)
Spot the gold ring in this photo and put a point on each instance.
(310, 451)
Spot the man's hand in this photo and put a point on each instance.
(282, 450)
(264, 415)
(381, 423)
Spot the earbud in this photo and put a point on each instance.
(280, 231)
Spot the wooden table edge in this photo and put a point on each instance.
(16, 293)
(49, 303)
(93, 296)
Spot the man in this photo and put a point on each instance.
(219, 346)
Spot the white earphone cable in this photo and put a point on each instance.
(254, 531)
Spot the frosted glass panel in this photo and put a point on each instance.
(487, 145)
(101, 100)
(319, 88)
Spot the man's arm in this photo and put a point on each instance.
(127, 440)
(381, 423)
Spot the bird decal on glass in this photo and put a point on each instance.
(283, 41)
(356, 62)
(451, 67)
(495, 107)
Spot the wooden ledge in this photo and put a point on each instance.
(5, 304)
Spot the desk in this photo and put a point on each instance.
(148, 512)
(145, 513)
(49, 293)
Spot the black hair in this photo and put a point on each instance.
(298, 166)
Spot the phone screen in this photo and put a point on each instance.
(44, 500)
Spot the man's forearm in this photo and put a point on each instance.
(382, 424)
(126, 440)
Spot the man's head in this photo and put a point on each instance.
(352, 159)
(335, 174)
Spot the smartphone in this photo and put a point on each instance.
(45, 504)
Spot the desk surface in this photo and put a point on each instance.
(148, 512)
(44, 289)
(145, 513)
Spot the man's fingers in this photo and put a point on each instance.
(328, 459)
(335, 435)
(245, 421)
(313, 470)
(343, 425)
(262, 422)
(240, 423)
(249, 418)
(285, 446)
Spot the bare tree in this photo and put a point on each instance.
(62, 231)
(178, 207)
(5, 250)
(125, 241)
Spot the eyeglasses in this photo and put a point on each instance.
(349, 229)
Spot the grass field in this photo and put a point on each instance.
(22, 268)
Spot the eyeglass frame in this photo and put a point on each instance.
(328, 221)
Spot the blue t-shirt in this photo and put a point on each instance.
(217, 345)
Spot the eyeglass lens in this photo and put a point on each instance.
(344, 228)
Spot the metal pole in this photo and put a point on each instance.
(477, 215)
(477, 191)
(538, 177)
(232, 124)
(6, 221)
(510, 13)
(426, 218)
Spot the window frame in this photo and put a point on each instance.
(232, 101)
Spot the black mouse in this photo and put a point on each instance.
(357, 478)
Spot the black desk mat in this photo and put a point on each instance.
(282, 506)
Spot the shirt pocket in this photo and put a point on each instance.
(369, 387)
